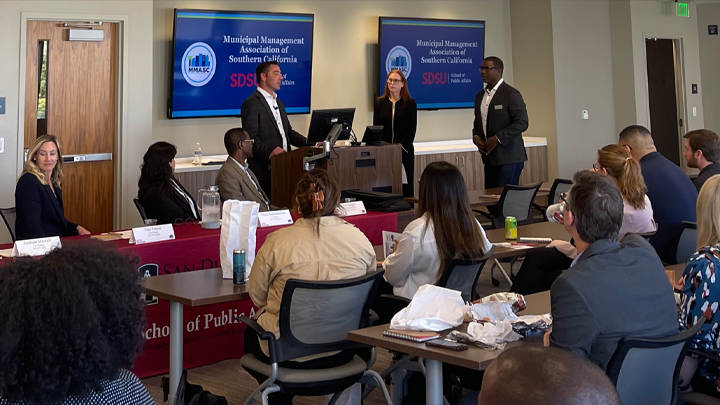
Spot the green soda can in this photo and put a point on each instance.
(511, 228)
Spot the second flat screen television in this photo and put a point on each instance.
(215, 54)
(440, 59)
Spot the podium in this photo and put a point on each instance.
(367, 168)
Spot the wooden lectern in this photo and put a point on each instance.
(367, 168)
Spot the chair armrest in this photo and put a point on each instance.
(485, 214)
(704, 354)
(252, 324)
(539, 207)
(373, 318)
(396, 298)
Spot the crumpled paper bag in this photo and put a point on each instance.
(432, 308)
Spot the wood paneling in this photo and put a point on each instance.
(536, 166)
(80, 111)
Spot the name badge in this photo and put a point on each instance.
(498, 107)
(150, 234)
(351, 209)
(36, 247)
(274, 218)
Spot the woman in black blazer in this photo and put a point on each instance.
(160, 193)
(396, 111)
(38, 197)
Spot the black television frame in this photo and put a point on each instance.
(172, 58)
(378, 64)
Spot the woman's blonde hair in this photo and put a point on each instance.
(708, 213)
(626, 170)
(32, 167)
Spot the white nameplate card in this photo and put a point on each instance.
(36, 247)
(274, 218)
(352, 208)
(150, 234)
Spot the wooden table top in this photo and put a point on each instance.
(474, 358)
(537, 230)
(489, 196)
(195, 288)
(674, 272)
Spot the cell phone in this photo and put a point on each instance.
(444, 344)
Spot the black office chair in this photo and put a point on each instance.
(515, 201)
(9, 216)
(315, 317)
(558, 187)
(687, 245)
(140, 208)
(697, 398)
(645, 371)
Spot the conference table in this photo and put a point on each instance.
(473, 358)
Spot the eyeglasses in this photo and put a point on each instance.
(186, 221)
(481, 68)
(252, 141)
(596, 167)
(394, 81)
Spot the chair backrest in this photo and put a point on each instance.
(9, 215)
(140, 208)
(516, 201)
(687, 245)
(462, 275)
(316, 316)
(645, 371)
(558, 187)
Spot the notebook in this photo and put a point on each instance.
(535, 240)
(413, 336)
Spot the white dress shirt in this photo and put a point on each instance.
(271, 99)
(416, 261)
(485, 103)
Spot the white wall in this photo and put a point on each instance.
(583, 81)
(709, 14)
(139, 96)
(344, 60)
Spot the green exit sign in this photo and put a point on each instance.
(683, 10)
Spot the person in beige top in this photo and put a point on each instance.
(235, 180)
(319, 246)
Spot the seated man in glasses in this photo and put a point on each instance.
(235, 180)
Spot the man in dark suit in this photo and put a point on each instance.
(500, 120)
(613, 290)
(264, 118)
(235, 179)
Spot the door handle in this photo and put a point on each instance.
(463, 160)
(25, 156)
(457, 161)
(91, 157)
(681, 123)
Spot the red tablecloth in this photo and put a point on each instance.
(211, 334)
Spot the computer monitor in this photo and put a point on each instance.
(322, 121)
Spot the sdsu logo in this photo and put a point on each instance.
(198, 64)
(148, 270)
(399, 59)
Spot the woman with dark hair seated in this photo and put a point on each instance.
(445, 229)
(160, 193)
(319, 246)
(72, 324)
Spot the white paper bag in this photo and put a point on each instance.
(432, 308)
(239, 223)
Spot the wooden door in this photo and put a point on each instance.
(77, 81)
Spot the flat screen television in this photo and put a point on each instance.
(215, 53)
(440, 59)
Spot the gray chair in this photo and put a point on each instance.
(9, 216)
(140, 208)
(315, 317)
(645, 371)
(515, 201)
(687, 245)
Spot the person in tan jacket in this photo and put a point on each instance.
(319, 246)
(235, 180)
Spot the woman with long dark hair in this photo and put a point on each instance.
(396, 111)
(160, 193)
(445, 229)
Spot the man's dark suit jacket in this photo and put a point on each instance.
(614, 291)
(170, 208)
(507, 119)
(39, 213)
(259, 121)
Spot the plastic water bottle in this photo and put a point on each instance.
(198, 155)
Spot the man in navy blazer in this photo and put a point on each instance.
(500, 120)
(613, 290)
(264, 118)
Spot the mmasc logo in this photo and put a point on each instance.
(198, 64)
(148, 270)
(399, 59)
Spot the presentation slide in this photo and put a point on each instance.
(215, 54)
(440, 59)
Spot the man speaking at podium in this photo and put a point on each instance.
(264, 118)
(500, 120)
